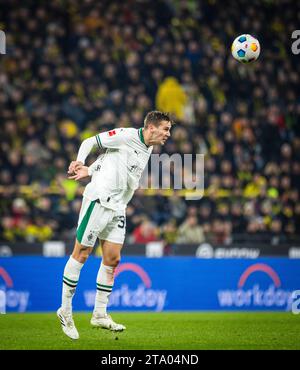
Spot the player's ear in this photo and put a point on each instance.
(151, 127)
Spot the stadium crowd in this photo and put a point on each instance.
(76, 68)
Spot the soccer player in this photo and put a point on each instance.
(115, 176)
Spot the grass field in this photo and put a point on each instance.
(153, 331)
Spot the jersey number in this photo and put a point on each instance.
(121, 223)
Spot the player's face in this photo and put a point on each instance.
(161, 133)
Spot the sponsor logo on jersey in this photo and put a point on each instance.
(112, 132)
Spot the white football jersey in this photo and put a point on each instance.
(116, 173)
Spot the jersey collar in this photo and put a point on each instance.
(142, 136)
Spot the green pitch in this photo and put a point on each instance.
(190, 330)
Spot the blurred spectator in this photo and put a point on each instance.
(171, 97)
(169, 232)
(71, 72)
(276, 231)
(220, 232)
(190, 232)
(144, 233)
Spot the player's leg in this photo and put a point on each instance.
(70, 280)
(105, 282)
(72, 273)
(86, 236)
(111, 254)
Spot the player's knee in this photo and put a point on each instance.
(116, 261)
(113, 261)
(81, 255)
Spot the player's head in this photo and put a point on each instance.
(157, 127)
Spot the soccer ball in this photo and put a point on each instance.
(245, 48)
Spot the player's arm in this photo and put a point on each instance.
(85, 148)
(81, 173)
(84, 171)
(113, 139)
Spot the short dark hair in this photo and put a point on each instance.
(155, 117)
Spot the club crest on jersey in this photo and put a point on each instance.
(112, 132)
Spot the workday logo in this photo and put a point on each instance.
(8, 282)
(136, 293)
(142, 295)
(6, 278)
(9, 297)
(257, 295)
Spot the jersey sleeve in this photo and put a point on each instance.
(112, 139)
(85, 148)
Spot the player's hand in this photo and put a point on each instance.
(74, 167)
(81, 173)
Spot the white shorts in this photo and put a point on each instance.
(96, 221)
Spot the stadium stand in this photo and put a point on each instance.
(73, 69)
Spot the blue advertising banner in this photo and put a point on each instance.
(29, 284)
